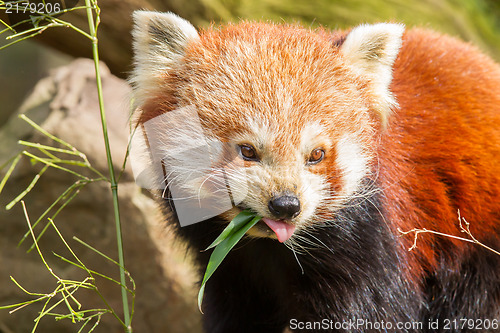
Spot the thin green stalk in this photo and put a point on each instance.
(63, 288)
(54, 159)
(64, 196)
(87, 270)
(37, 320)
(38, 31)
(44, 132)
(95, 325)
(9, 172)
(55, 166)
(25, 291)
(48, 154)
(69, 25)
(28, 189)
(114, 185)
(8, 26)
(58, 150)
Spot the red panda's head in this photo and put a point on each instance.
(278, 119)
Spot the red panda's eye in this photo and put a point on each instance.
(316, 156)
(248, 153)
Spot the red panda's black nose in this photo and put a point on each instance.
(285, 206)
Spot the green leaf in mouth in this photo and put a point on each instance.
(224, 243)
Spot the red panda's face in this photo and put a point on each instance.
(287, 122)
(293, 117)
(300, 177)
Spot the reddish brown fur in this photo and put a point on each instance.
(447, 123)
(446, 131)
(438, 154)
(284, 64)
(283, 47)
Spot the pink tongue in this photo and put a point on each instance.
(282, 229)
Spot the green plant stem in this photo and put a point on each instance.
(114, 185)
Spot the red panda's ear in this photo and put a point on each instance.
(371, 50)
(159, 41)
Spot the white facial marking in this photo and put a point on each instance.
(314, 191)
(260, 134)
(353, 163)
(313, 136)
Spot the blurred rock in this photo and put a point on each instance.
(65, 104)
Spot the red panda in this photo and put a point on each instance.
(340, 141)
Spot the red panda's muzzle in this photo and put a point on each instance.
(282, 229)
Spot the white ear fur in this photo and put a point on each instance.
(371, 51)
(159, 41)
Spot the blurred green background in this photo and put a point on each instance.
(477, 21)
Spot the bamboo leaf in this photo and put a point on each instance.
(222, 249)
(239, 221)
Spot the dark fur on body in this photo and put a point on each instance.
(470, 292)
(352, 272)
(355, 271)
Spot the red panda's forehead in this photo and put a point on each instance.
(278, 74)
(272, 36)
(263, 53)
